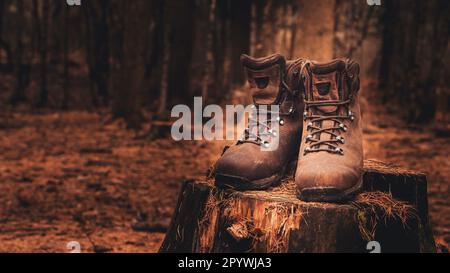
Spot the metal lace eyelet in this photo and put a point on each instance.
(339, 151)
(343, 127)
(291, 110)
(309, 137)
(307, 149)
(281, 122)
(310, 124)
(351, 115)
(266, 144)
(273, 132)
(305, 115)
(341, 139)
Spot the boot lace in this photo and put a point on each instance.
(315, 129)
(264, 129)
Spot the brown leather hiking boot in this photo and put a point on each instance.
(246, 166)
(330, 161)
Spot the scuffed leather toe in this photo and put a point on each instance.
(332, 184)
(244, 171)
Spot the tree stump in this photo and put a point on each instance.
(391, 211)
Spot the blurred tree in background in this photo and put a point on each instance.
(148, 55)
(415, 55)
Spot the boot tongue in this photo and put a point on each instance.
(264, 76)
(324, 79)
(325, 88)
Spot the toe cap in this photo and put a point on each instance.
(337, 176)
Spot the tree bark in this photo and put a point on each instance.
(182, 25)
(2, 12)
(3, 44)
(351, 27)
(240, 12)
(19, 90)
(66, 69)
(164, 84)
(130, 72)
(43, 50)
(257, 32)
(155, 53)
(209, 66)
(102, 51)
(89, 51)
(97, 14)
(415, 40)
(393, 211)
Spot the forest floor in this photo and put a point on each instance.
(71, 176)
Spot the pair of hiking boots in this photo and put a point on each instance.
(319, 130)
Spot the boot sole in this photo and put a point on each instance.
(329, 194)
(241, 184)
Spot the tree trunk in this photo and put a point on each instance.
(209, 66)
(164, 84)
(102, 51)
(2, 13)
(43, 50)
(182, 24)
(3, 44)
(130, 72)
(294, 27)
(392, 211)
(66, 69)
(155, 53)
(89, 52)
(240, 12)
(315, 40)
(19, 90)
(351, 27)
(221, 75)
(415, 40)
(257, 31)
(97, 49)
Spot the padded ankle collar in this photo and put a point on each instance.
(263, 63)
(328, 67)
